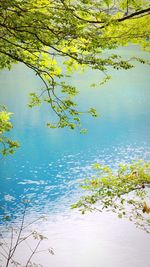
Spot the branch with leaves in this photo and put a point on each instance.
(125, 191)
(57, 38)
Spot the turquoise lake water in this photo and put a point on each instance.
(50, 164)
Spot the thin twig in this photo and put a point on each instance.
(34, 251)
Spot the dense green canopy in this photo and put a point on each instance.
(39, 32)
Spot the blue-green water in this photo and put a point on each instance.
(50, 163)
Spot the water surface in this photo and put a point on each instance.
(50, 164)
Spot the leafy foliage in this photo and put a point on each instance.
(39, 33)
(8, 145)
(124, 192)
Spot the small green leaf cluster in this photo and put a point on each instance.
(124, 191)
(34, 100)
(8, 146)
(70, 90)
(93, 112)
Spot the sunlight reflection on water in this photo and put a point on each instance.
(50, 165)
(56, 185)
